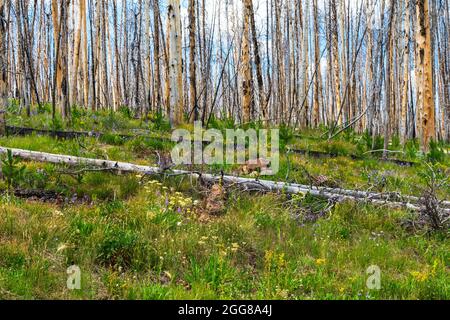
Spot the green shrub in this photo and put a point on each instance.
(436, 153)
(57, 124)
(396, 143)
(117, 248)
(126, 112)
(13, 106)
(138, 145)
(214, 272)
(11, 258)
(221, 124)
(36, 179)
(160, 123)
(373, 142)
(411, 149)
(12, 171)
(112, 139)
(336, 148)
(286, 136)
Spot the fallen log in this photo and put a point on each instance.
(24, 131)
(407, 202)
(321, 154)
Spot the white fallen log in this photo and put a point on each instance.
(407, 202)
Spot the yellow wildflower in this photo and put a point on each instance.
(320, 262)
(419, 276)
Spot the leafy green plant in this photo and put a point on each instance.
(45, 108)
(117, 248)
(57, 124)
(350, 135)
(126, 112)
(373, 142)
(336, 148)
(411, 149)
(77, 113)
(112, 139)
(396, 143)
(36, 179)
(221, 124)
(13, 106)
(436, 153)
(12, 171)
(160, 123)
(286, 136)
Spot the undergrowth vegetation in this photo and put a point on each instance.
(137, 237)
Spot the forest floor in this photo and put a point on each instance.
(137, 238)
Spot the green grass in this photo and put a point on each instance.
(146, 241)
(139, 249)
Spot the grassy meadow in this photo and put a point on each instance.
(137, 237)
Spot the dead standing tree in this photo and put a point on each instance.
(247, 83)
(3, 56)
(424, 75)
(176, 62)
(61, 82)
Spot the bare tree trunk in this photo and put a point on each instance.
(194, 110)
(388, 105)
(424, 75)
(405, 87)
(257, 57)
(246, 69)
(317, 78)
(76, 59)
(116, 59)
(336, 61)
(176, 62)
(61, 63)
(3, 56)
(84, 52)
(157, 76)
(65, 104)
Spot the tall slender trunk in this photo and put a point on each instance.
(3, 56)
(336, 61)
(246, 69)
(192, 64)
(84, 52)
(257, 57)
(424, 75)
(157, 53)
(389, 65)
(176, 62)
(317, 85)
(405, 88)
(76, 59)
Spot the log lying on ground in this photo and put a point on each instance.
(23, 131)
(321, 154)
(389, 200)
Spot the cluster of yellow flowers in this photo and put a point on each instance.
(172, 200)
(424, 275)
(420, 276)
(178, 200)
(228, 250)
(154, 184)
(320, 262)
(274, 261)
